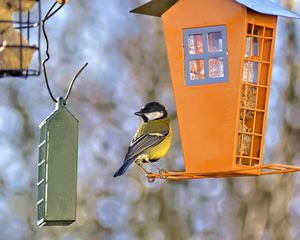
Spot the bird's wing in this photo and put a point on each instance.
(140, 144)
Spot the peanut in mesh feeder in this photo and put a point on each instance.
(220, 56)
(19, 38)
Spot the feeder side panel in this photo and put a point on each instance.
(265, 32)
(270, 21)
(206, 113)
(62, 168)
(41, 184)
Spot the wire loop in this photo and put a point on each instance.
(50, 14)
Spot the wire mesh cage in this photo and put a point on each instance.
(20, 38)
(254, 94)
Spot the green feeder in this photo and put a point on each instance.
(57, 168)
(58, 153)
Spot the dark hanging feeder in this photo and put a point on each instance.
(57, 167)
(20, 38)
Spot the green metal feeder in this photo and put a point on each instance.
(57, 168)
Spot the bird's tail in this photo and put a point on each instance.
(124, 167)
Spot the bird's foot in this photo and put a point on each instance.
(151, 179)
(162, 172)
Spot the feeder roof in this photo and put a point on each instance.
(155, 7)
(55, 113)
(267, 7)
(159, 7)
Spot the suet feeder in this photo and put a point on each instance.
(19, 37)
(57, 168)
(220, 55)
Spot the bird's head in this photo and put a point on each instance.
(152, 111)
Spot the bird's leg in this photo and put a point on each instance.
(161, 171)
(154, 165)
(138, 162)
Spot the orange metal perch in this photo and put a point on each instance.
(268, 169)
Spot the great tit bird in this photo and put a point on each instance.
(151, 141)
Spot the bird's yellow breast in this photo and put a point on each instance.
(161, 149)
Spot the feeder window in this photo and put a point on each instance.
(197, 69)
(215, 42)
(216, 67)
(195, 43)
(205, 55)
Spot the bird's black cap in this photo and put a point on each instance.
(152, 107)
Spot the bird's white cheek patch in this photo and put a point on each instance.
(154, 115)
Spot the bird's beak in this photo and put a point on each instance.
(138, 113)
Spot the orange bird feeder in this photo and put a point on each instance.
(220, 55)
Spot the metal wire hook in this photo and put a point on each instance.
(73, 81)
(47, 17)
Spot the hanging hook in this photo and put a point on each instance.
(47, 17)
(73, 81)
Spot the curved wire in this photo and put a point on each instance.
(73, 81)
(48, 16)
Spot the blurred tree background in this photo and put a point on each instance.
(127, 68)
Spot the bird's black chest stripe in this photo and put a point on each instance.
(151, 160)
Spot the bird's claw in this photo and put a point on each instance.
(151, 179)
(162, 173)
